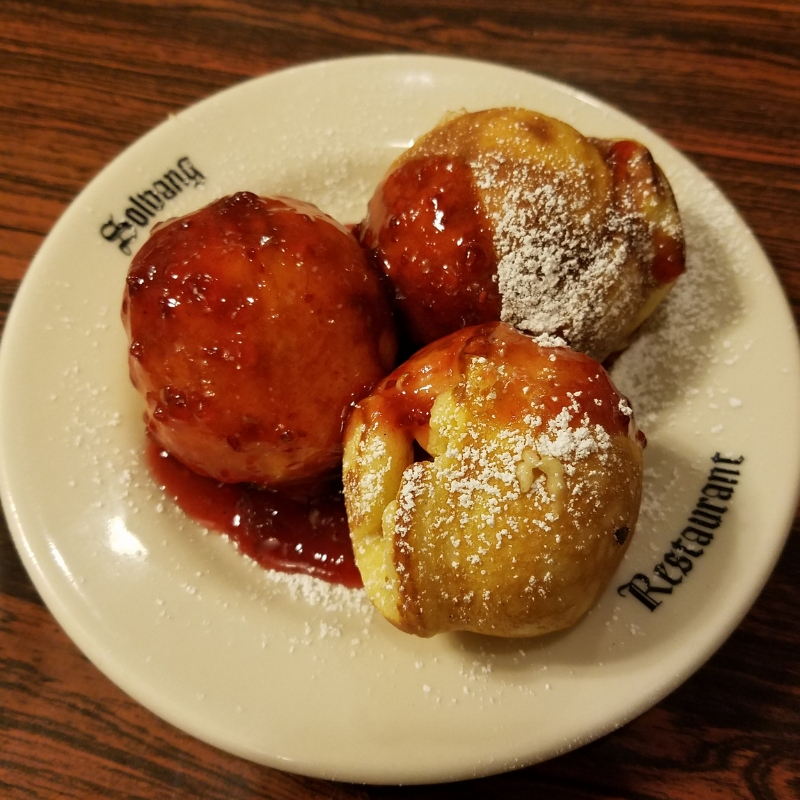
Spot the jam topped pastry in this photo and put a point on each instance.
(255, 324)
(492, 485)
(507, 214)
(428, 231)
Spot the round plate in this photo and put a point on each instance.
(302, 676)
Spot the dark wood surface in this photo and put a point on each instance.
(81, 79)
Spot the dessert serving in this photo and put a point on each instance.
(509, 214)
(267, 663)
(254, 324)
(492, 483)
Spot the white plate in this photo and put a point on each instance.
(288, 672)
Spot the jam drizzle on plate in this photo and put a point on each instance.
(302, 530)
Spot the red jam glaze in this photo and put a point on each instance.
(255, 324)
(620, 154)
(635, 171)
(427, 231)
(404, 398)
(669, 260)
(299, 531)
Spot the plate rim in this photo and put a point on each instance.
(82, 636)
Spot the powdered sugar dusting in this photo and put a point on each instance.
(374, 464)
(660, 368)
(568, 443)
(314, 592)
(486, 472)
(567, 254)
(411, 487)
(546, 339)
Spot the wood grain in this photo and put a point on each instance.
(81, 79)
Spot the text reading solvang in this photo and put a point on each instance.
(145, 205)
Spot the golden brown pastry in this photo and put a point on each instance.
(508, 214)
(492, 485)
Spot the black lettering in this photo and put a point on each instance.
(703, 538)
(136, 216)
(713, 476)
(703, 504)
(152, 200)
(111, 230)
(705, 518)
(175, 179)
(125, 244)
(640, 587)
(679, 562)
(661, 572)
(710, 521)
(190, 171)
(148, 203)
(681, 547)
(718, 492)
(143, 208)
(707, 515)
(167, 192)
(718, 459)
(121, 232)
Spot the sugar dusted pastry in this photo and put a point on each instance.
(509, 214)
(492, 485)
(254, 324)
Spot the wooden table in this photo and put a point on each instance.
(80, 80)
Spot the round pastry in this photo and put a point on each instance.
(255, 324)
(508, 214)
(492, 484)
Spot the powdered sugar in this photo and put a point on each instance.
(411, 487)
(374, 463)
(314, 592)
(676, 344)
(567, 255)
(567, 442)
(485, 471)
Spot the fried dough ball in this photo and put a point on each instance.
(492, 485)
(255, 324)
(508, 214)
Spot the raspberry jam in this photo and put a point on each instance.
(299, 531)
(556, 377)
(426, 229)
